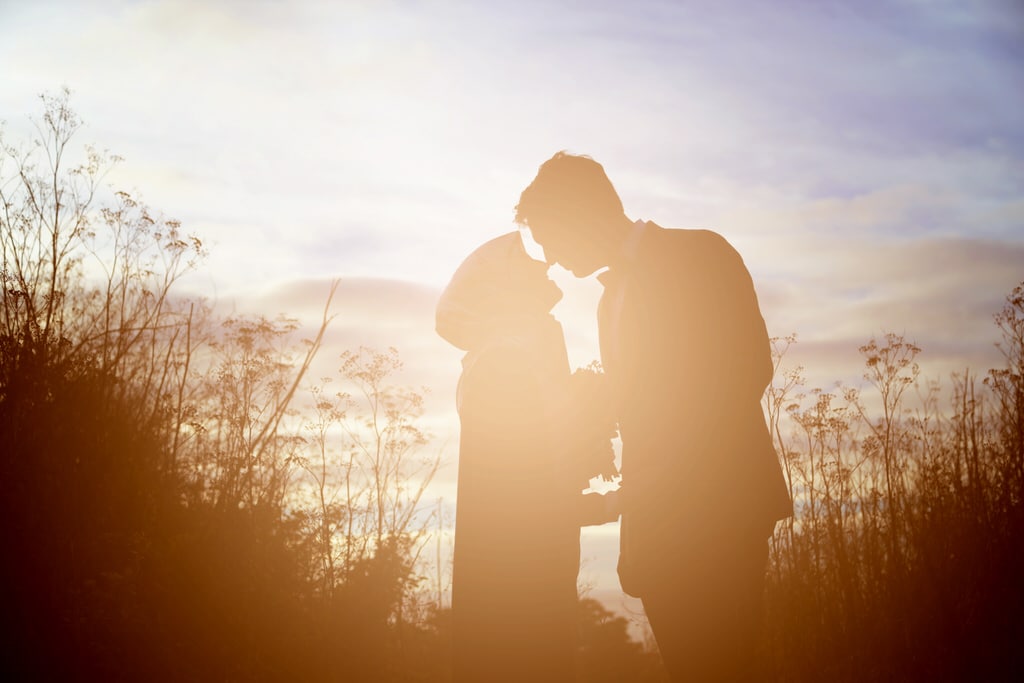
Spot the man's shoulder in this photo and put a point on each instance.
(658, 238)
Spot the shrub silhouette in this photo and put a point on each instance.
(150, 453)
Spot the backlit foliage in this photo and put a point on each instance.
(903, 561)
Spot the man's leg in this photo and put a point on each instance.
(706, 616)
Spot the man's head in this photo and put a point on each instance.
(574, 212)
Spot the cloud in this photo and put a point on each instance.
(939, 293)
(377, 314)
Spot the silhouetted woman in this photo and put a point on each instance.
(519, 507)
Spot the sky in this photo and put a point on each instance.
(865, 158)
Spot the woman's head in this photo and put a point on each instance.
(498, 290)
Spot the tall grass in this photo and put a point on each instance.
(155, 462)
(904, 560)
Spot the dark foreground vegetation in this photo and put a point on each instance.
(181, 503)
(905, 561)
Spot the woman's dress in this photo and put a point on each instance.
(514, 597)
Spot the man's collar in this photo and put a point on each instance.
(627, 252)
(632, 243)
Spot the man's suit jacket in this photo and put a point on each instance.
(688, 360)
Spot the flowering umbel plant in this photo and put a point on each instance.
(594, 425)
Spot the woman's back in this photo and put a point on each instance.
(516, 534)
(516, 524)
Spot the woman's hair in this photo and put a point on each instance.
(497, 289)
(569, 185)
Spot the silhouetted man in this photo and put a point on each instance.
(685, 349)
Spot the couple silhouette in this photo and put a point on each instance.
(686, 358)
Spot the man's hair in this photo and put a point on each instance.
(569, 186)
